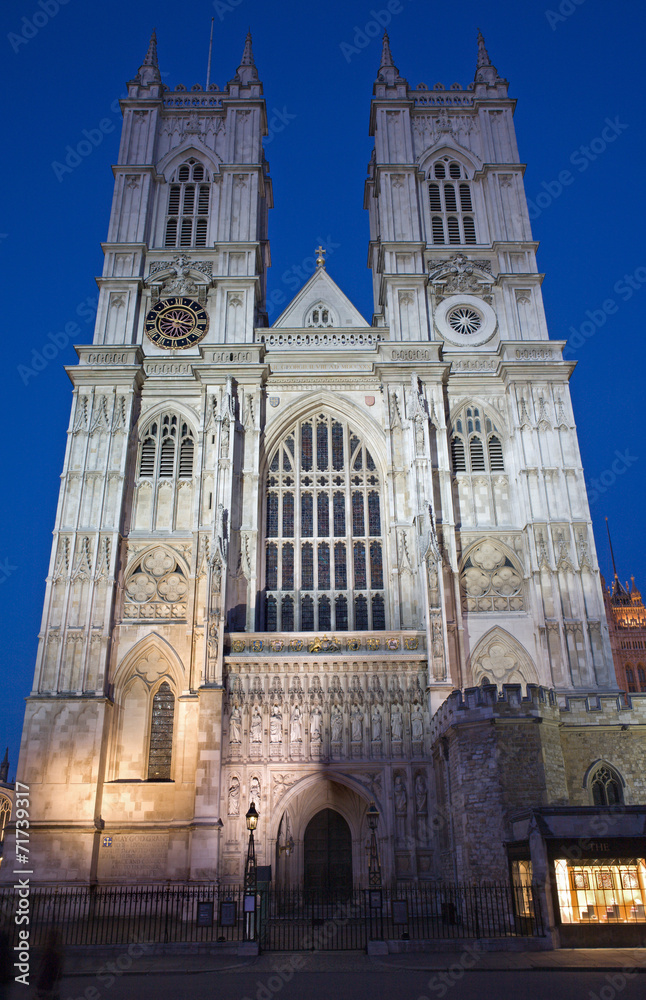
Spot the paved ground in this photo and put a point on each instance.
(359, 981)
(591, 974)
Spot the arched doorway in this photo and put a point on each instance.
(328, 852)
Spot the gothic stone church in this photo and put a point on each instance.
(329, 561)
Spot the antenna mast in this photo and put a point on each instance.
(208, 65)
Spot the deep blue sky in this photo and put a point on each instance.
(568, 76)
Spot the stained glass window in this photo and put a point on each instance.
(287, 614)
(307, 519)
(288, 567)
(324, 566)
(307, 574)
(376, 566)
(323, 503)
(161, 734)
(320, 520)
(340, 572)
(272, 567)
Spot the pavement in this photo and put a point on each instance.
(87, 962)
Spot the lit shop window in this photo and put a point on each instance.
(601, 891)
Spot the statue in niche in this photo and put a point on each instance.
(376, 725)
(396, 724)
(356, 724)
(438, 646)
(256, 726)
(297, 725)
(316, 722)
(254, 790)
(337, 724)
(235, 726)
(234, 796)
(401, 796)
(417, 722)
(276, 725)
(420, 793)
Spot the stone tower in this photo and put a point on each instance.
(279, 549)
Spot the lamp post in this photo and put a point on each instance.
(374, 868)
(250, 876)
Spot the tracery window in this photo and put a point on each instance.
(449, 193)
(188, 206)
(167, 449)
(605, 786)
(476, 444)
(324, 563)
(161, 734)
(5, 815)
(320, 316)
(490, 581)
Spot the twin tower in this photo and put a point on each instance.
(278, 549)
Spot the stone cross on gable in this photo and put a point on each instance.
(320, 259)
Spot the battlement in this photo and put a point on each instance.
(487, 701)
(603, 709)
(490, 702)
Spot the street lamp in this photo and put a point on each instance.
(374, 868)
(250, 869)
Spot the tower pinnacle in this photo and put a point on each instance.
(388, 72)
(4, 766)
(247, 72)
(386, 54)
(486, 72)
(149, 69)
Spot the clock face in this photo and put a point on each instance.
(176, 323)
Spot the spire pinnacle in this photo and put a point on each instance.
(4, 766)
(386, 54)
(247, 72)
(149, 69)
(486, 72)
(483, 55)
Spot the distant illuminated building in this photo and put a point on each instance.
(627, 630)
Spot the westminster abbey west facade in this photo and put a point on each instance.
(329, 561)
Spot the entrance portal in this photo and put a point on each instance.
(328, 852)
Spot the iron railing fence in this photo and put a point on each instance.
(285, 919)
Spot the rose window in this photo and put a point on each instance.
(465, 320)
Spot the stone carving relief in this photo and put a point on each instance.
(234, 796)
(490, 581)
(156, 586)
(500, 659)
(459, 274)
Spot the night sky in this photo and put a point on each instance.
(574, 66)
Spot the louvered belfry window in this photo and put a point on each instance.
(475, 444)
(188, 206)
(161, 734)
(324, 532)
(449, 195)
(167, 449)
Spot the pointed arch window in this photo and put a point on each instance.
(324, 525)
(451, 205)
(641, 676)
(476, 443)
(161, 734)
(606, 786)
(167, 449)
(630, 679)
(189, 197)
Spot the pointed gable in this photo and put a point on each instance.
(319, 296)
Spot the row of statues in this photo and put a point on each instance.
(400, 794)
(357, 718)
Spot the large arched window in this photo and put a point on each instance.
(476, 444)
(167, 449)
(324, 562)
(5, 816)
(449, 193)
(188, 206)
(605, 785)
(161, 734)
